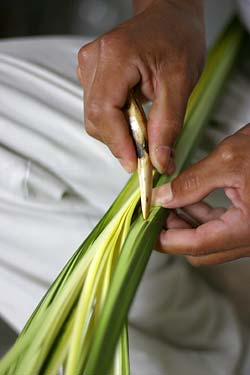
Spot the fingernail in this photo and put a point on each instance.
(162, 156)
(163, 195)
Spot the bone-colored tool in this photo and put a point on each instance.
(138, 124)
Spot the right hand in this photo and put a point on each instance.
(161, 50)
(222, 234)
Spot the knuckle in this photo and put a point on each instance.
(107, 41)
(84, 54)
(118, 35)
(110, 43)
(94, 112)
(227, 152)
(187, 182)
(233, 160)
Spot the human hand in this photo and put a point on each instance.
(223, 235)
(161, 50)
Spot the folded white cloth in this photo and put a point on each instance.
(55, 180)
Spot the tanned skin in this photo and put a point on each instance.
(161, 50)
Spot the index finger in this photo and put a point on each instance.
(166, 118)
(103, 111)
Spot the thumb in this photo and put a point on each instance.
(165, 120)
(193, 184)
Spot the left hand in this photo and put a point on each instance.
(161, 51)
(223, 235)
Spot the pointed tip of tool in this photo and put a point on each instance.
(146, 182)
(145, 211)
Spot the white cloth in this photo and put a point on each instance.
(56, 182)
